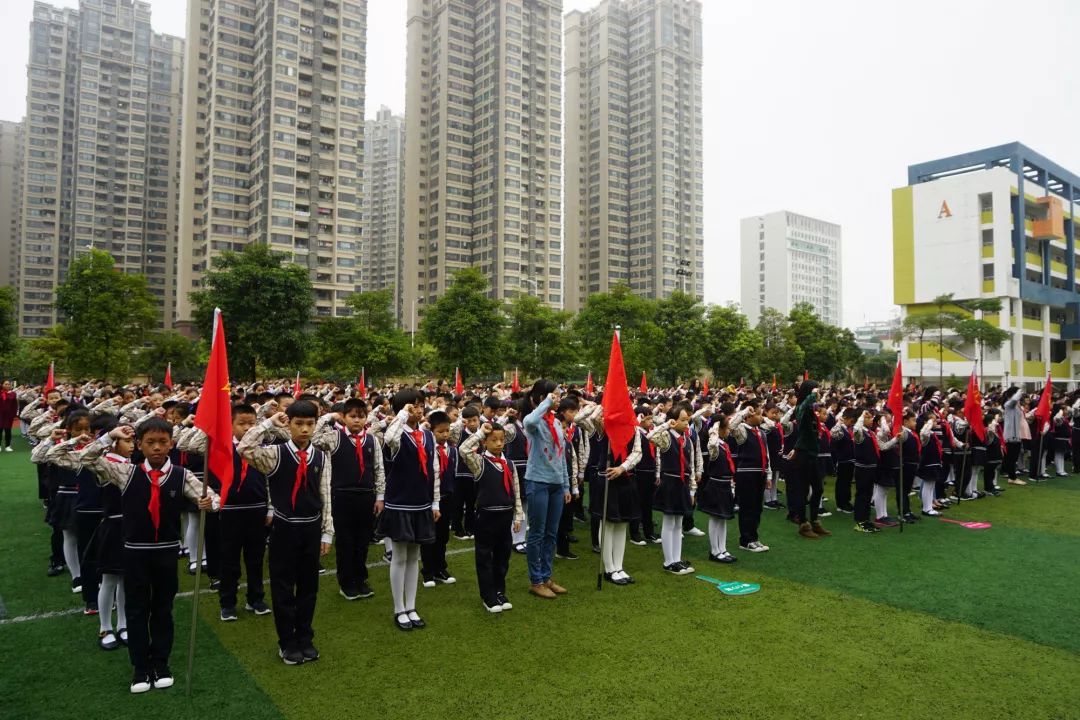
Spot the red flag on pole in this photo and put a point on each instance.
(459, 388)
(361, 388)
(50, 381)
(644, 384)
(1042, 412)
(515, 386)
(620, 423)
(805, 375)
(168, 376)
(214, 416)
(589, 384)
(774, 382)
(895, 403)
(973, 408)
(705, 387)
(296, 389)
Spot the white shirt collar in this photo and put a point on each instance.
(165, 469)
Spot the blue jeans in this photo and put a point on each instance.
(544, 502)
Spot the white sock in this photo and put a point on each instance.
(121, 604)
(927, 496)
(191, 537)
(105, 596)
(397, 574)
(717, 535)
(881, 500)
(671, 537)
(388, 544)
(412, 574)
(516, 538)
(605, 547)
(1059, 462)
(71, 553)
(618, 544)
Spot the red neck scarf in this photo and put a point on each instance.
(764, 451)
(549, 418)
(727, 456)
(500, 462)
(358, 440)
(570, 434)
(873, 439)
(444, 458)
(301, 475)
(154, 505)
(682, 458)
(421, 452)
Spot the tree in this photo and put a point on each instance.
(916, 327)
(106, 313)
(466, 327)
(369, 339)
(596, 322)
(982, 335)
(266, 305)
(730, 346)
(163, 348)
(779, 353)
(681, 321)
(848, 354)
(537, 338)
(9, 320)
(942, 320)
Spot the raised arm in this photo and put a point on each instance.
(467, 452)
(326, 436)
(263, 459)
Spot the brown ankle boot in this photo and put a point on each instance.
(820, 530)
(555, 587)
(807, 532)
(541, 590)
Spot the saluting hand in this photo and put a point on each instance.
(280, 419)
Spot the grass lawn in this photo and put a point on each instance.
(940, 621)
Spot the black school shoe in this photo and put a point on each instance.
(163, 678)
(406, 625)
(725, 558)
(291, 656)
(55, 569)
(568, 555)
(259, 607)
(616, 580)
(141, 682)
(309, 653)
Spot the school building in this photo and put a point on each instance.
(994, 223)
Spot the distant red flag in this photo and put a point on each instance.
(168, 376)
(515, 386)
(705, 387)
(644, 384)
(214, 416)
(805, 375)
(973, 408)
(774, 382)
(459, 389)
(1042, 412)
(620, 423)
(589, 384)
(361, 388)
(297, 391)
(895, 403)
(50, 381)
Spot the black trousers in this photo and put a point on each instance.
(1012, 454)
(646, 487)
(354, 520)
(963, 470)
(845, 473)
(242, 531)
(86, 523)
(43, 483)
(990, 471)
(909, 481)
(294, 580)
(150, 584)
(566, 526)
(750, 496)
(802, 480)
(6, 432)
(864, 492)
(433, 555)
(464, 506)
(492, 551)
(212, 540)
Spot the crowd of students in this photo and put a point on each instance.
(121, 475)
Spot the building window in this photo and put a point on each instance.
(988, 271)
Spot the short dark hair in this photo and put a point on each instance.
(302, 409)
(408, 396)
(154, 424)
(242, 409)
(354, 404)
(438, 418)
(103, 424)
(493, 402)
(75, 416)
(470, 411)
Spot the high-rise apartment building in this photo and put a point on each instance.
(272, 148)
(11, 160)
(101, 150)
(483, 164)
(634, 189)
(384, 188)
(789, 259)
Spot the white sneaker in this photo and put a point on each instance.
(8, 449)
(756, 547)
(694, 532)
(141, 685)
(429, 583)
(496, 608)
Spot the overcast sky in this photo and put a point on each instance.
(816, 107)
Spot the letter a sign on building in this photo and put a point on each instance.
(945, 212)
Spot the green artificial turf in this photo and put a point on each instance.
(940, 621)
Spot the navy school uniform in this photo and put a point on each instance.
(867, 472)
(352, 484)
(995, 454)
(497, 507)
(751, 460)
(825, 464)
(88, 515)
(462, 505)
(623, 504)
(775, 441)
(645, 478)
(433, 555)
(675, 471)
(1062, 440)
(842, 447)
(406, 515)
(242, 531)
(716, 496)
(110, 534)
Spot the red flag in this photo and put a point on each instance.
(168, 376)
(214, 416)
(895, 403)
(296, 389)
(515, 386)
(50, 381)
(644, 385)
(1042, 412)
(774, 382)
(620, 423)
(973, 408)
(459, 389)
(805, 375)
(361, 389)
(705, 387)
(589, 384)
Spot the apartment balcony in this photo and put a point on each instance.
(1051, 226)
